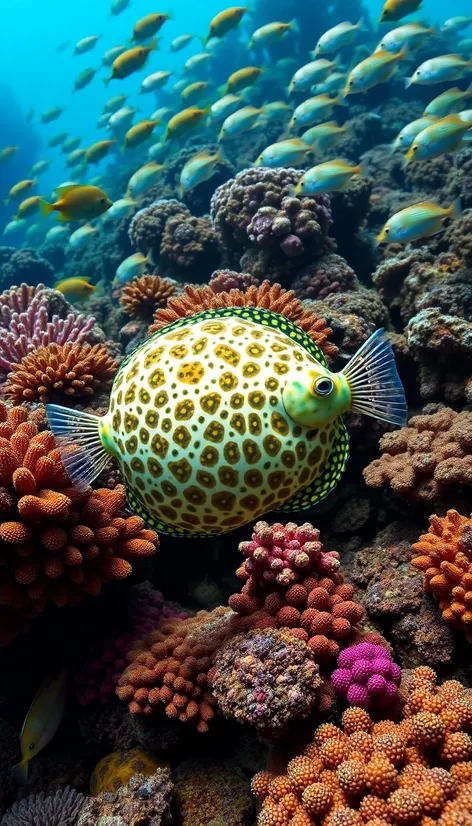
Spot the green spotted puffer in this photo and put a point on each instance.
(220, 417)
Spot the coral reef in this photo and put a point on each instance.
(189, 247)
(58, 372)
(143, 296)
(116, 770)
(366, 676)
(144, 800)
(428, 460)
(24, 265)
(61, 809)
(291, 582)
(268, 232)
(376, 773)
(442, 346)
(329, 274)
(266, 678)
(212, 791)
(170, 668)
(444, 556)
(269, 297)
(223, 281)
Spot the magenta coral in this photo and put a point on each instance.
(25, 325)
(366, 676)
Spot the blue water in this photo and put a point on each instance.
(33, 75)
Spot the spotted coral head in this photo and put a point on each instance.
(369, 384)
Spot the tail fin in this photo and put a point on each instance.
(20, 773)
(456, 208)
(79, 441)
(362, 25)
(45, 209)
(376, 389)
(294, 25)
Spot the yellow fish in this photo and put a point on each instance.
(445, 103)
(57, 139)
(149, 25)
(377, 68)
(312, 110)
(83, 79)
(439, 69)
(139, 133)
(184, 121)
(70, 144)
(240, 121)
(396, 9)
(75, 289)
(116, 102)
(130, 61)
(291, 152)
(194, 91)
(225, 21)
(41, 723)
(271, 33)
(417, 221)
(7, 152)
(76, 157)
(28, 207)
(77, 202)
(18, 190)
(86, 44)
(98, 150)
(144, 178)
(444, 135)
(325, 134)
(332, 176)
(338, 37)
(39, 167)
(403, 36)
(242, 78)
(51, 114)
(198, 169)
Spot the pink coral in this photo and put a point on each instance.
(366, 676)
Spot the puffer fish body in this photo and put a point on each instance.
(221, 417)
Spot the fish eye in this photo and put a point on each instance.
(414, 148)
(323, 387)
(386, 230)
(102, 200)
(31, 746)
(417, 72)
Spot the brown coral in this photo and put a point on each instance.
(61, 370)
(370, 789)
(444, 555)
(170, 667)
(143, 296)
(268, 296)
(56, 545)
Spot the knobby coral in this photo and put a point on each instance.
(61, 370)
(266, 678)
(269, 297)
(60, 809)
(143, 296)
(366, 675)
(412, 772)
(144, 800)
(444, 555)
(291, 582)
(425, 459)
(56, 545)
(170, 667)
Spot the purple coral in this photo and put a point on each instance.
(266, 678)
(25, 324)
(97, 677)
(222, 281)
(366, 676)
(329, 274)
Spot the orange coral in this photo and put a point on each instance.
(383, 786)
(170, 666)
(144, 295)
(58, 370)
(268, 296)
(444, 555)
(56, 544)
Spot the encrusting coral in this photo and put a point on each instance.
(57, 545)
(116, 769)
(170, 668)
(59, 372)
(60, 809)
(266, 678)
(267, 296)
(426, 460)
(212, 791)
(444, 556)
(366, 676)
(291, 582)
(144, 295)
(329, 274)
(143, 800)
(412, 772)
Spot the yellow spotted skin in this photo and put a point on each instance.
(198, 424)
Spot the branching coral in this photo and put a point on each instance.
(266, 678)
(61, 809)
(170, 666)
(415, 771)
(426, 460)
(212, 791)
(270, 297)
(144, 800)
(143, 296)
(444, 556)
(255, 214)
(61, 370)
(25, 324)
(291, 582)
(367, 676)
(57, 545)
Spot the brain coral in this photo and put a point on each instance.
(427, 459)
(212, 791)
(266, 678)
(416, 771)
(56, 545)
(269, 297)
(444, 555)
